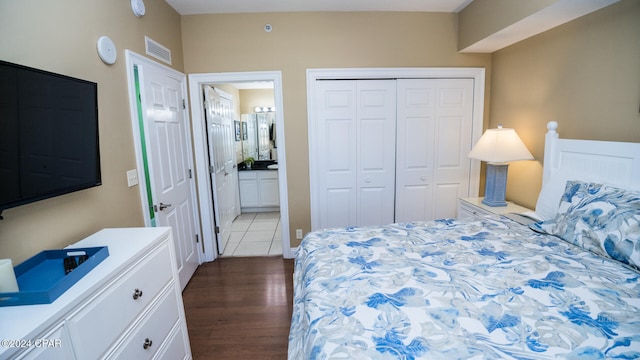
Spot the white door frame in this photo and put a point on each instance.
(202, 164)
(144, 183)
(477, 74)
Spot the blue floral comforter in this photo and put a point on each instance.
(452, 289)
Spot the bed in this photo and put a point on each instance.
(566, 286)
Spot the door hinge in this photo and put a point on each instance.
(211, 169)
(217, 229)
(184, 104)
(197, 238)
(190, 174)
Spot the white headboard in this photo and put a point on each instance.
(615, 163)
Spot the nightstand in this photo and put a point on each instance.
(473, 207)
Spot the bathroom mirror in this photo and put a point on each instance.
(258, 136)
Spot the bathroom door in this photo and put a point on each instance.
(222, 167)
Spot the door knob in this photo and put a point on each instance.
(367, 180)
(160, 207)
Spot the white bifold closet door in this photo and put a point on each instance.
(434, 121)
(390, 150)
(356, 152)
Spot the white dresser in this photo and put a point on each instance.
(128, 307)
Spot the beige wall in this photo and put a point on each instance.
(238, 42)
(60, 36)
(584, 74)
(251, 98)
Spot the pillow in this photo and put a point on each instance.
(600, 218)
(549, 197)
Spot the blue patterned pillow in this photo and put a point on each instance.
(600, 218)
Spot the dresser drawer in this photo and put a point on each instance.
(54, 345)
(473, 207)
(98, 324)
(150, 333)
(175, 346)
(467, 211)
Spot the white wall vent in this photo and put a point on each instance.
(156, 50)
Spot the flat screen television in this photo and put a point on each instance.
(48, 135)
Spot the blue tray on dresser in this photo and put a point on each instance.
(43, 278)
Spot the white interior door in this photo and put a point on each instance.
(355, 127)
(376, 147)
(223, 170)
(416, 138)
(169, 154)
(336, 152)
(452, 166)
(439, 113)
(434, 137)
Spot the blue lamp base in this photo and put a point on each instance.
(496, 185)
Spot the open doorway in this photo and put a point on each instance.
(253, 229)
(271, 155)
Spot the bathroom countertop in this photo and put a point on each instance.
(259, 165)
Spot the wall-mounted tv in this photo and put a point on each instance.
(48, 135)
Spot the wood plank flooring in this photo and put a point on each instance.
(240, 308)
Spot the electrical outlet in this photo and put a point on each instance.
(132, 178)
(299, 234)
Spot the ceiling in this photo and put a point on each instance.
(551, 15)
(192, 7)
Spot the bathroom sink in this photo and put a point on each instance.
(273, 167)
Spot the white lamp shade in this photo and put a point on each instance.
(499, 146)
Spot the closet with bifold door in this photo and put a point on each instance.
(391, 150)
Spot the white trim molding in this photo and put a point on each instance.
(202, 163)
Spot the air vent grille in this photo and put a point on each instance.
(156, 50)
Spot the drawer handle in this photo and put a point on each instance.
(137, 293)
(147, 343)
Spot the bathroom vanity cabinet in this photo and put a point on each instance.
(259, 190)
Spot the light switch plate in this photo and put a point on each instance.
(132, 177)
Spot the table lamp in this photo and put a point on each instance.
(497, 147)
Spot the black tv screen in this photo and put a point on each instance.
(48, 135)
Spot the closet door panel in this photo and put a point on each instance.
(454, 124)
(336, 129)
(434, 138)
(339, 208)
(443, 206)
(389, 150)
(376, 151)
(415, 210)
(416, 114)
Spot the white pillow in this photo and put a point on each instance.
(550, 194)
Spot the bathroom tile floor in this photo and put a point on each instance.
(255, 234)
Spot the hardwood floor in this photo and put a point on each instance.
(240, 308)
